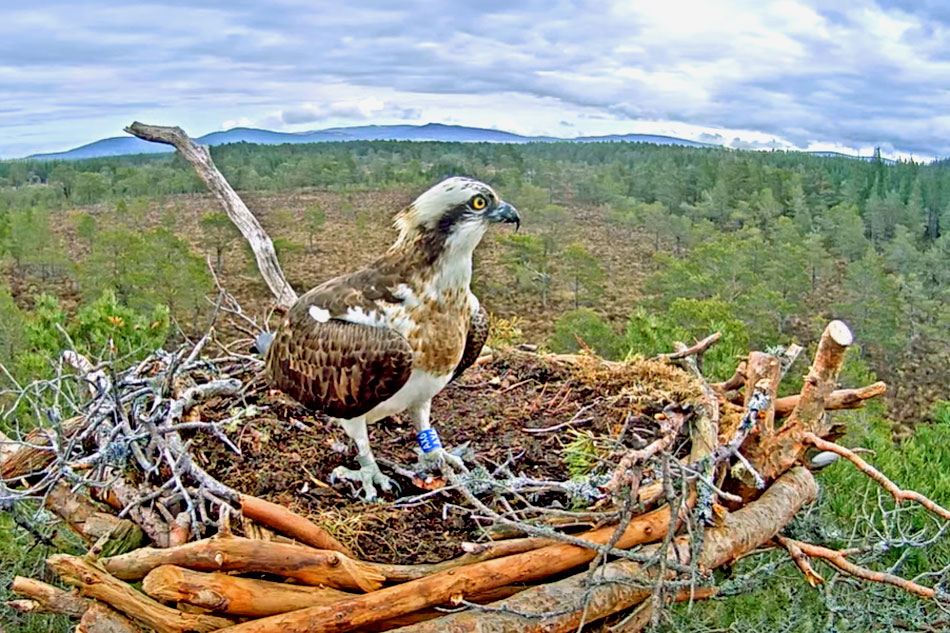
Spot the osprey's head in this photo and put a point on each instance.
(452, 217)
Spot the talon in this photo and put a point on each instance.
(367, 475)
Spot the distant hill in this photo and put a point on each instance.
(122, 145)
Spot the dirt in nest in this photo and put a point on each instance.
(289, 453)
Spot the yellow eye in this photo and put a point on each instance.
(478, 203)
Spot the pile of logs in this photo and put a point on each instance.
(675, 517)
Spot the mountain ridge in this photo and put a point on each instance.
(126, 145)
(129, 145)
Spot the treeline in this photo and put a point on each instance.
(761, 245)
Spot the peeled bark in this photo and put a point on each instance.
(44, 598)
(740, 533)
(96, 583)
(233, 594)
(412, 596)
(101, 619)
(283, 520)
(308, 565)
(787, 445)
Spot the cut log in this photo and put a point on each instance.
(308, 565)
(412, 596)
(101, 619)
(741, 532)
(96, 583)
(234, 595)
(200, 158)
(44, 598)
(283, 520)
(786, 447)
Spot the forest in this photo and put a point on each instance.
(625, 248)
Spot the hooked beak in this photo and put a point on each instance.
(504, 212)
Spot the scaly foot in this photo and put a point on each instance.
(368, 475)
(438, 457)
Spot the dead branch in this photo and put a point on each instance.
(837, 559)
(283, 520)
(200, 158)
(625, 474)
(888, 485)
(801, 560)
(98, 584)
(234, 595)
(838, 399)
(697, 349)
(308, 565)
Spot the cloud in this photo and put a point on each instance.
(771, 73)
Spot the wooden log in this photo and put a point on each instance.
(478, 553)
(101, 619)
(308, 565)
(391, 602)
(787, 445)
(838, 399)
(283, 520)
(232, 594)
(36, 453)
(97, 583)
(200, 158)
(740, 533)
(45, 598)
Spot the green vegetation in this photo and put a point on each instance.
(105, 256)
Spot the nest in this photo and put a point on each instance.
(186, 473)
(517, 416)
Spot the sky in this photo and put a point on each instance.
(843, 76)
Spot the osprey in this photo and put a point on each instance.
(387, 338)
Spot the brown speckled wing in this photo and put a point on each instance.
(342, 369)
(474, 342)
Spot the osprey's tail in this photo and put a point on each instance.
(262, 343)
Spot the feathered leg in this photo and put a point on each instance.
(420, 419)
(368, 473)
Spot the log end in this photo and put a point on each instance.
(840, 333)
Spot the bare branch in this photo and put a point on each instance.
(200, 158)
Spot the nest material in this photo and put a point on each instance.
(497, 408)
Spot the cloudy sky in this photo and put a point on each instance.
(816, 75)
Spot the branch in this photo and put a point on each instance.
(838, 560)
(697, 349)
(200, 158)
(283, 520)
(838, 399)
(888, 485)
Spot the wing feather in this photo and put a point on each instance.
(474, 341)
(343, 369)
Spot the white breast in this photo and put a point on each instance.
(420, 387)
